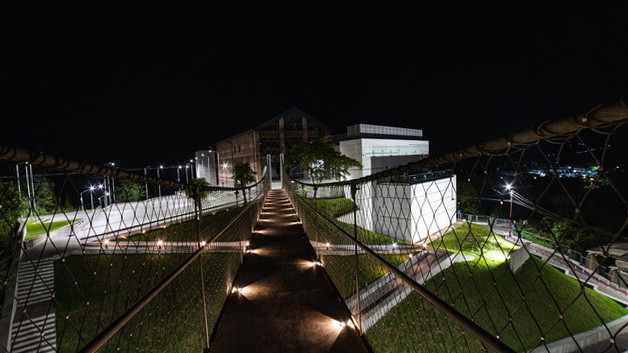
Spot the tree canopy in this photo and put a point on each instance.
(320, 159)
(243, 175)
(129, 191)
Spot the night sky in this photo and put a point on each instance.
(141, 83)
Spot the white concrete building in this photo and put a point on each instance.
(407, 211)
(380, 147)
(412, 212)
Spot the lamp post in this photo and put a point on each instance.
(110, 184)
(146, 184)
(510, 191)
(90, 189)
(159, 185)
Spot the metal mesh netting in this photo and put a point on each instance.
(518, 244)
(91, 261)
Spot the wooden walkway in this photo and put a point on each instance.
(286, 302)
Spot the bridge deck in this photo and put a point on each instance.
(287, 304)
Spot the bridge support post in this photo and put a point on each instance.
(201, 243)
(354, 190)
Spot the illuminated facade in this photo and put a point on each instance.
(270, 138)
(379, 147)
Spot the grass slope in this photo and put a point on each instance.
(93, 291)
(538, 304)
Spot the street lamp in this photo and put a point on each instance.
(146, 184)
(159, 185)
(90, 189)
(510, 191)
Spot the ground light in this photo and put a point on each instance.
(315, 263)
(239, 290)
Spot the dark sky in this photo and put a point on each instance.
(142, 83)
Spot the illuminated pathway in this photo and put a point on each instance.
(282, 301)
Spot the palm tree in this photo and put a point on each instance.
(242, 176)
(197, 193)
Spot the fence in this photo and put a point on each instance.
(126, 274)
(416, 280)
(136, 274)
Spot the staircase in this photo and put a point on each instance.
(282, 301)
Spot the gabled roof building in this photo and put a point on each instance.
(272, 137)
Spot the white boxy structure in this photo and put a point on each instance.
(405, 211)
(380, 147)
(413, 211)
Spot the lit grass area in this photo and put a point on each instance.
(335, 207)
(111, 284)
(341, 269)
(475, 240)
(538, 304)
(35, 228)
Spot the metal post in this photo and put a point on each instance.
(112, 194)
(146, 184)
(354, 189)
(510, 217)
(17, 175)
(197, 207)
(106, 188)
(28, 187)
(158, 185)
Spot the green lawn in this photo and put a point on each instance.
(35, 228)
(93, 291)
(538, 303)
(477, 241)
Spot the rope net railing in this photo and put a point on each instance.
(96, 258)
(515, 245)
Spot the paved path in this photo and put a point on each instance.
(287, 304)
(33, 328)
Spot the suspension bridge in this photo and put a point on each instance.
(378, 264)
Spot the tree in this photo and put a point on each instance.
(468, 199)
(45, 199)
(129, 191)
(242, 176)
(198, 193)
(11, 208)
(320, 159)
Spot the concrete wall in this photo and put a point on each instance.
(364, 149)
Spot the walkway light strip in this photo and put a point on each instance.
(452, 313)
